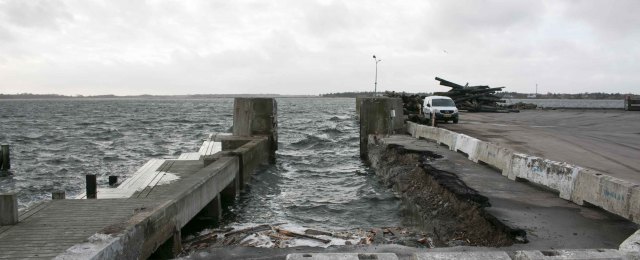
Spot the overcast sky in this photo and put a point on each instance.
(130, 47)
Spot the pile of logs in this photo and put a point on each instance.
(472, 98)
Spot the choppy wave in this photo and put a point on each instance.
(318, 180)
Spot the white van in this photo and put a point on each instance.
(443, 108)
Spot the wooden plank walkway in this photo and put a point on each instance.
(54, 227)
(50, 228)
(153, 172)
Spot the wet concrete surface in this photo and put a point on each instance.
(604, 140)
(550, 222)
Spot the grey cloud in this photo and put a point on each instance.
(42, 14)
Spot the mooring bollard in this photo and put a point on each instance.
(113, 181)
(8, 209)
(6, 161)
(92, 186)
(58, 195)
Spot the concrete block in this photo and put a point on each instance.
(568, 254)
(611, 194)
(427, 132)
(497, 255)
(494, 155)
(468, 145)
(342, 256)
(632, 243)
(447, 137)
(634, 205)
(557, 176)
(411, 128)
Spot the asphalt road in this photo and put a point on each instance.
(604, 140)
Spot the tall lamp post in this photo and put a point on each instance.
(375, 84)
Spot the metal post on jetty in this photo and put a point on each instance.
(5, 159)
(8, 209)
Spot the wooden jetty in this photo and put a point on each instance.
(147, 211)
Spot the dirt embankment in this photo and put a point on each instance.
(444, 203)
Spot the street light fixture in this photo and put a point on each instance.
(375, 84)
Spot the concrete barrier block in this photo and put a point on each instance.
(616, 195)
(609, 193)
(447, 137)
(632, 243)
(586, 187)
(494, 155)
(569, 254)
(468, 145)
(411, 128)
(498, 255)
(634, 205)
(516, 166)
(342, 256)
(557, 176)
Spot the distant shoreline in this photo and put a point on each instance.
(198, 96)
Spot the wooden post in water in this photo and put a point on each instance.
(113, 181)
(92, 186)
(58, 195)
(6, 160)
(8, 209)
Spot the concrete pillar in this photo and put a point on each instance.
(376, 118)
(177, 242)
(257, 116)
(8, 209)
(92, 186)
(214, 209)
(58, 195)
(229, 193)
(6, 158)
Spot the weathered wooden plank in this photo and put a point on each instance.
(189, 156)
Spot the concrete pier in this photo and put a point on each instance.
(379, 116)
(144, 213)
(541, 149)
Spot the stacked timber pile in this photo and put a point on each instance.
(472, 98)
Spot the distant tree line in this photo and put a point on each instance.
(195, 96)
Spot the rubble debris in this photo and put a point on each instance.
(473, 98)
(285, 235)
(294, 234)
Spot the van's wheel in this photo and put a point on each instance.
(455, 120)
